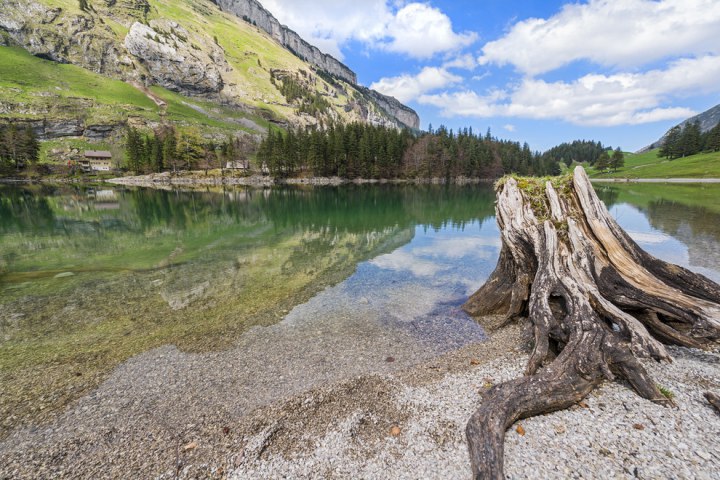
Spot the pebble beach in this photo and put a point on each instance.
(400, 423)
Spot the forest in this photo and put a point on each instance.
(689, 140)
(19, 147)
(367, 151)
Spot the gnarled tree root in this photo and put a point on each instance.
(713, 400)
(596, 301)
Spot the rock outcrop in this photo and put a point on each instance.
(173, 61)
(44, 31)
(48, 129)
(405, 115)
(253, 12)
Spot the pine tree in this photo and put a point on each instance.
(156, 154)
(713, 141)
(603, 163)
(671, 145)
(28, 147)
(690, 139)
(133, 149)
(169, 150)
(618, 159)
(10, 139)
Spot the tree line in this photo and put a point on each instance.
(607, 161)
(581, 151)
(167, 149)
(19, 147)
(689, 140)
(366, 151)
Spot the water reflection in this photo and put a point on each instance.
(90, 278)
(678, 223)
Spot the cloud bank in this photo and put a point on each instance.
(615, 38)
(415, 29)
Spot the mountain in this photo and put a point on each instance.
(708, 119)
(221, 66)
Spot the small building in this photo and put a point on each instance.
(96, 161)
(236, 165)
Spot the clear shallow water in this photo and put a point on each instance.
(90, 278)
(294, 286)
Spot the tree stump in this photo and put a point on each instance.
(596, 301)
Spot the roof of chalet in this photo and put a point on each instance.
(97, 154)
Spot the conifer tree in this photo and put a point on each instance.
(169, 151)
(134, 149)
(618, 159)
(713, 139)
(671, 144)
(603, 163)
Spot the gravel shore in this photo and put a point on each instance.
(197, 179)
(395, 424)
(615, 434)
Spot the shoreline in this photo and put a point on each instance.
(656, 180)
(347, 428)
(198, 179)
(164, 180)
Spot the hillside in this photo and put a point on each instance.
(189, 63)
(649, 165)
(707, 120)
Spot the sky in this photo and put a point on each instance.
(539, 71)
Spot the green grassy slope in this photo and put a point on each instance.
(649, 165)
(34, 89)
(48, 89)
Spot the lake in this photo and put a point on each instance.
(293, 286)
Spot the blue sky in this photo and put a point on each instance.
(545, 72)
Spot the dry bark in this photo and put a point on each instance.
(713, 400)
(596, 301)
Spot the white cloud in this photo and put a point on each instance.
(616, 33)
(409, 87)
(422, 31)
(401, 260)
(592, 100)
(414, 29)
(465, 62)
(454, 248)
(509, 127)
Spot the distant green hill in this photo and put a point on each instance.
(649, 165)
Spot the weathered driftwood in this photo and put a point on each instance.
(596, 301)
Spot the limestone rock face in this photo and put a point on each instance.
(405, 115)
(252, 11)
(46, 32)
(125, 39)
(173, 61)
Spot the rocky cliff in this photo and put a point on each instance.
(405, 115)
(221, 52)
(172, 62)
(253, 12)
